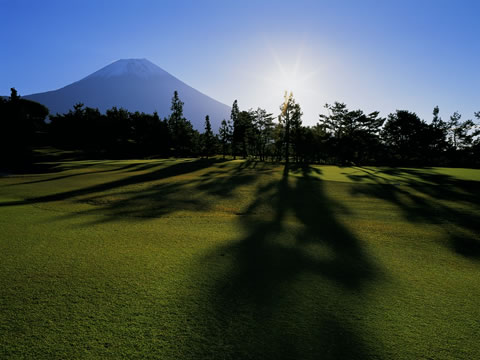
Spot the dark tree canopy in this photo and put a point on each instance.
(353, 134)
(225, 135)
(236, 131)
(341, 136)
(404, 133)
(208, 139)
(290, 117)
(183, 137)
(21, 125)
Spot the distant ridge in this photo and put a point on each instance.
(136, 85)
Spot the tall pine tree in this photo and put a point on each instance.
(181, 130)
(290, 116)
(225, 136)
(208, 138)
(236, 128)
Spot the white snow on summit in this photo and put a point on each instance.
(136, 85)
(137, 67)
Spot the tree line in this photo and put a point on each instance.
(342, 136)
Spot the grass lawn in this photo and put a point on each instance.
(197, 259)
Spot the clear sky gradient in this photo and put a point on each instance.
(373, 55)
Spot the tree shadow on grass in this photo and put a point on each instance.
(295, 278)
(49, 160)
(129, 167)
(197, 194)
(223, 183)
(426, 197)
(176, 169)
(152, 192)
(291, 276)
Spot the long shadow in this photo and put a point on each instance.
(132, 167)
(162, 173)
(195, 194)
(305, 202)
(38, 168)
(291, 233)
(293, 247)
(223, 183)
(156, 198)
(153, 202)
(426, 197)
(49, 162)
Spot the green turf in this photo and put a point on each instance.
(196, 259)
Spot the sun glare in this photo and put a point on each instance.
(291, 76)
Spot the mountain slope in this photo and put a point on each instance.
(136, 85)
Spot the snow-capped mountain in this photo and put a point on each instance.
(136, 67)
(136, 85)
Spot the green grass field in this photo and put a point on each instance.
(197, 259)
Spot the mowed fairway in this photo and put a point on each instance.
(197, 259)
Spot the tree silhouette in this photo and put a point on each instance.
(20, 122)
(341, 136)
(236, 128)
(354, 135)
(224, 136)
(263, 123)
(290, 116)
(208, 138)
(181, 130)
(436, 137)
(244, 132)
(461, 133)
(404, 133)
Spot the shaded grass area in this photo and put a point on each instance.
(233, 259)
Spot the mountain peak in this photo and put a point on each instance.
(133, 67)
(136, 85)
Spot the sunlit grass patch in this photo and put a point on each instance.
(235, 259)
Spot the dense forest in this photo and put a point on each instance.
(342, 137)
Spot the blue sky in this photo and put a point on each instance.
(373, 55)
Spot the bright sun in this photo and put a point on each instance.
(290, 76)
